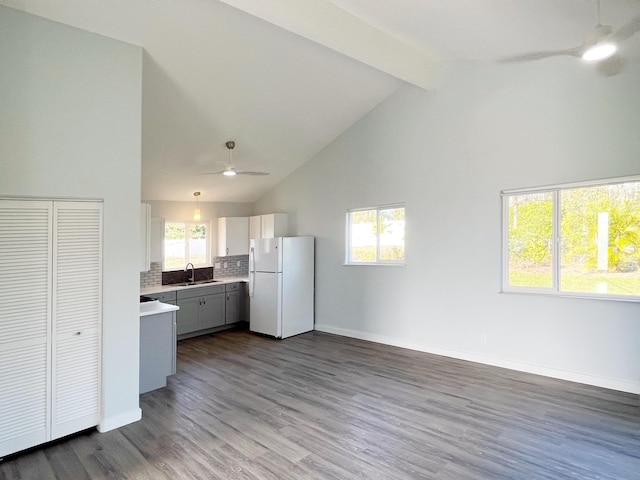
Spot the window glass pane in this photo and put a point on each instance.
(174, 246)
(391, 225)
(531, 240)
(198, 244)
(363, 236)
(600, 235)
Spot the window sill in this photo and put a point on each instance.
(373, 264)
(583, 296)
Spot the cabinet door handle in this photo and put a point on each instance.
(227, 250)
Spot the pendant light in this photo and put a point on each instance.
(230, 171)
(196, 212)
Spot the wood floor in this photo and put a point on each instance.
(319, 406)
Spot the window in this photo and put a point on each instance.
(186, 242)
(581, 239)
(376, 236)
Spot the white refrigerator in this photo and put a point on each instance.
(281, 286)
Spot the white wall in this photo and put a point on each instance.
(448, 154)
(209, 212)
(70, 127)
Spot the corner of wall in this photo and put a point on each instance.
(120, 420)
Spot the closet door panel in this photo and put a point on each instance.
(23, 397)
(77, 316)
(77, 384)
(25, 319)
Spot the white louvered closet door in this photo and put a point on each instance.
(25, 319)
(77, 316)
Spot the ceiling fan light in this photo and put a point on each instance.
(229, 173)
(599, 51)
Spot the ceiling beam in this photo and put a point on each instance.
(323, 22)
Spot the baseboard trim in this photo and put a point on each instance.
(610, 383)
(120, 420)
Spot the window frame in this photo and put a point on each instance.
(379, 262)
(188, 224)
(556, 263)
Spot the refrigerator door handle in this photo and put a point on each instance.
(252, 275)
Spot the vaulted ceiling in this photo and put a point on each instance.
(284, 78)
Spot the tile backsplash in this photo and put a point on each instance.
(236, 266)
(179, 276)
(153, 277)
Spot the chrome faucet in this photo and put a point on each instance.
(192, 277)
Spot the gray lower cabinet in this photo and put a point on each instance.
(164, 297)
(170, 298)
(157, 350)
(200, 308)
(212, 312)
(235, 294)
(188, 317)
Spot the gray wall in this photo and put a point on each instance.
(70, 128)
(448, 154)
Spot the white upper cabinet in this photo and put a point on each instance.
(145, 237)
(233, 236)
(157, 239)
(271, 225)
(274, 225)
(255, 227)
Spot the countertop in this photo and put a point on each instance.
(174, 288)
(154, 308)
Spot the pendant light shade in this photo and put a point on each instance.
(196, 212)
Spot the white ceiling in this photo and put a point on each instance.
(487, 30)
(284, 82)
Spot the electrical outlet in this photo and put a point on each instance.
(483, 338)
(238, 264)
(225, 264)
(216, 265)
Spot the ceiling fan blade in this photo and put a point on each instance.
(528, 57)
(220, 172)
(230, 169)
(612, 66)
(252, 173)
(627, 30)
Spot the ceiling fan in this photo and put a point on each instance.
(230, 169)
(599, 44)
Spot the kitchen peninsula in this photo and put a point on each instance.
(157, 344)
(205, 307)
